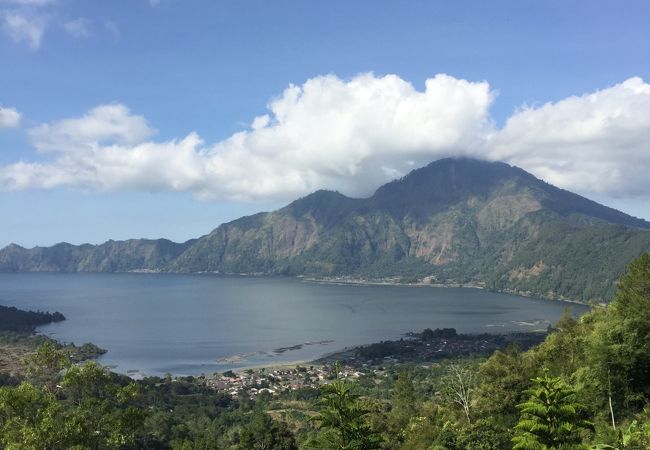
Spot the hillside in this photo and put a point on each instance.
(111, 256)
(453, 221)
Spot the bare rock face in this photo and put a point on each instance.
(459, 221)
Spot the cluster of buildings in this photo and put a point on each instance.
(253, 382)
(371, 359)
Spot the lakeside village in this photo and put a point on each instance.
(370, 363)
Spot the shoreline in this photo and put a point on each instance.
(428, 348)
(342, 281)
(366, 282)
(347, 355)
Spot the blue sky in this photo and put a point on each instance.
(100, 98)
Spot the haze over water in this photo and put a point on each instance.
(193, 324)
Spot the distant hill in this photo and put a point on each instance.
(460, 221)
(111, 256)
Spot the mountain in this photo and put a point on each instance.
(459, 221)
(111, 256)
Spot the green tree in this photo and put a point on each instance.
(635, 437)
(616, 370)
(46, 364)
(551, 419)
(631, 308)
(86, 409)
(503, 379)
(563, 349)
(633, 293)
(29, 419)
(99, 413)
(264, 433)
(404, 401)
(343, 412)
(484, 435)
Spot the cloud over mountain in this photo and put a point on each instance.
(352, 135)
(598, 142)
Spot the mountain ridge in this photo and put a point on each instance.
(455, 221)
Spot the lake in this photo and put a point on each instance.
(191, 324)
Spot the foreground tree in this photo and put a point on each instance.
(344, 414)
(44, 367)
(503, 379)
(99, 413)
(635, 437)
(404, 401)
(459, 385)
(631, 347)
(29, 419)
(84, 408)
(551, 419)
(264, 433)
(617, 367)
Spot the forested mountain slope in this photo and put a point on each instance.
(453, 221)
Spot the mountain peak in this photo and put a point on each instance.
(440, 184)
(13, 246)
(448, 181)
(322, 205)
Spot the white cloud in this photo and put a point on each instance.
(594, 143)
(353, 135)
(101, 126)
(174, 165)
(78, 28)
(350, 135)
(25, 21)
(9, 118)
(22, 28)
(347, 135)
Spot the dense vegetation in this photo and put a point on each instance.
(452, 222)
(586, 386)
(14, 319)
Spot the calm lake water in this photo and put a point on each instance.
(193, 324)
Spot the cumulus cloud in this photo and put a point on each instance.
(594, 143)
(9, 118)
(22, 28)
(78, 28)
(174, 165)
(352, 135)
(102, 126)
